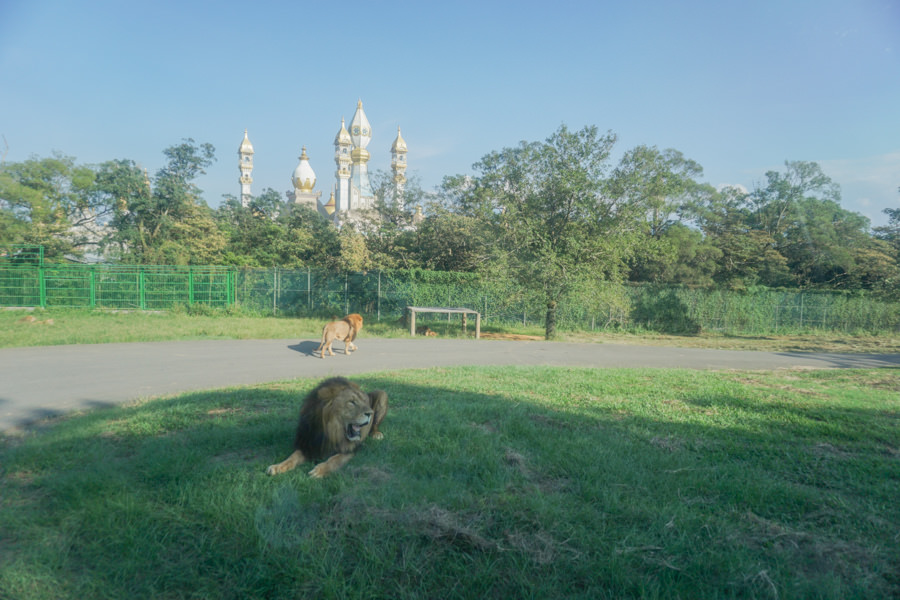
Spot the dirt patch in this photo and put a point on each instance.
(849, 344)
(511, 336)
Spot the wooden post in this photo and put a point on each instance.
(477, 325)
(412, 321)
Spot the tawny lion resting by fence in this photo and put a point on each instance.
(336, 417)
(344, 330)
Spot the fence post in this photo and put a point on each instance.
(229, 283)
(275, 292)
(308, 290)
(346, 292)
(190, 286)
(93, 293)
(142, 300)
(42, 284)
(378, 299)
(801, 310)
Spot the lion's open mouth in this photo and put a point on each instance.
(354, 430)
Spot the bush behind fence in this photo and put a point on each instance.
(384, 295)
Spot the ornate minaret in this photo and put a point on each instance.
(398, 166)
(361, 196)
(245, 152)
(304, 180)
(342, 147)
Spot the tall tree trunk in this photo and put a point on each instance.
(550, 321)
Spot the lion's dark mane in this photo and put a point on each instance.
(310, 438)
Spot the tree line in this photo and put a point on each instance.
(555, 215)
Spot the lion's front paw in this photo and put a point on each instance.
(272, 470)
(377, 435)
(318, 472)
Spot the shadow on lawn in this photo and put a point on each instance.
(498, 489)
(38, 418)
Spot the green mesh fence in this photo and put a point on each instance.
(115, 287)
(21, 283)
(26, 281)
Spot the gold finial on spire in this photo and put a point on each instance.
(329, 207)
(399, 144)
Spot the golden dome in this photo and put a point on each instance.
(246, 146)
(343, 136)
(399, 144)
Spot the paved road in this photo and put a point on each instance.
(40, 382)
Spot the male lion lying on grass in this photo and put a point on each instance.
(334, 420)
(344, 330)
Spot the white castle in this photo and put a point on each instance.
(352, 191)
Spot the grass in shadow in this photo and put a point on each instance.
(490, 482)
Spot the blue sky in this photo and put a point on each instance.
(738, 86)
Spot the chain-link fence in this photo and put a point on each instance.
(26, 281)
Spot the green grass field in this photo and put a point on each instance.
(59, 326)
(490, 483)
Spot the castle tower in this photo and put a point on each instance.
(398, 167)
(361, 196)
(304, 180)
(342, 147)
(245, 155)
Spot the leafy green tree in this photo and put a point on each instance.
(271, 233)
(874, 268)
(164, 220)
(253, 237)
(125, 187)
(776, 207)
(890, 233)
(658, 182)
(51, 202)
(354, 254)
(680, 255)
(388, 229)
(889, 236)
(744, 256)
(823, 244)
(194, 239)
(544, 203)
(447, 241)
(310, 240)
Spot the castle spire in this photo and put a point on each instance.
(245, 156)
(398, 166)
(343, 144)
(361, 196)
